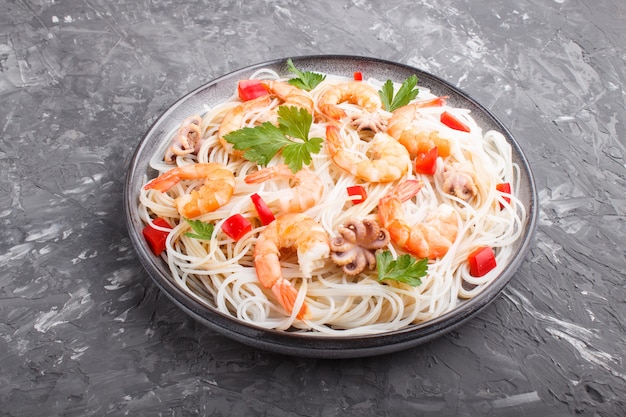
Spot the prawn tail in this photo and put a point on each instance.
(162, 183)
(408, 189)
(432, 102)
(268, 173)
(286, 295)
(332, 111)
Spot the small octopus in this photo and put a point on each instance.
(459, 179)
(355, 247)
(187, 140)
(376, 121)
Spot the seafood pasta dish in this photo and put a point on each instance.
(323, 204)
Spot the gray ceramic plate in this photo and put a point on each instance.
(298, 344)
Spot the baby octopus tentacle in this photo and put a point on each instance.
(187, 140)
(460, 180)
(355, 247)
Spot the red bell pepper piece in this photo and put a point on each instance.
(156, 238)
(452, 122)
(357, 191)
(505, 188)
(358, 76)
(236, 226)
(481, 261)
(426, 162)
(265, 214)
(250, 89)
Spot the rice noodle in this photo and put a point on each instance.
(220, 273)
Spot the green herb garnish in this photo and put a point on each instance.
(201, 230)
(261, 143)
(406, 93)
(405, 269)
(306, 80)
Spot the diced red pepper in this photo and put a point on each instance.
(505, 188)
(250, 89)
(426, 162)
(265, 214)
(481, 261)
(236, 226)
(156, 238)
(359, 192)
(453, 122)
(358, 76)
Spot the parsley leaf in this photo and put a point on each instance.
(406, 93)
(261, 143)
(405, 269)
(305, 80)
(201, 229)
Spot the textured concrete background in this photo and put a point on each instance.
(85, 332)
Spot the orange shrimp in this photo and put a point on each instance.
(289, 95)
(402, 127)
(237, 117)
(388, 160)
(307, 190)
(429, 239)
(290, 230)
(216, 191)
(353, 92)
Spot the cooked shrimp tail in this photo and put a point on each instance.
(291, 230)
(218, 187)
(289, 95)
(428, 239)
(403, 128)
(306, 192)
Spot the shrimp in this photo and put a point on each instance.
(290, 230)
(237, 117)
(388, 162)
(354, 92)
(402, 127)
(289, 95)
(216, 191)
(429, 239)
(307, 190)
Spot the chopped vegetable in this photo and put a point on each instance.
(357, 191)
(264, 212)
(156, 238)
(250, 89)
(358, 76)
(236, 226)
(405, 269)
(453, 122)
(406, 93)
(426, 162)
(504, 188)
(306, 80)
(481, 261)
(261, 143)
(201, 230)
